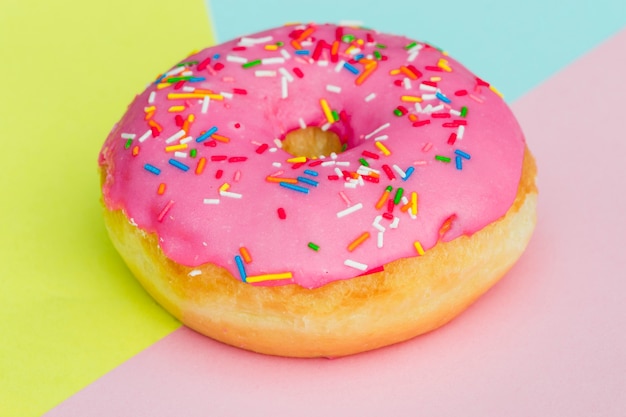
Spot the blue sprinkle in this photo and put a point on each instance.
(294, 187)
(178, 164)
(409, 171)
(462, 154)
(303, 52)
(196, 79)
(311, 172)
(308, 181)
(358, 57)
(350, 68)
(206, 134)
(152, 168)
(240, 267)
(216, 56)
(459, 162)
(158, 80)
(442, 97)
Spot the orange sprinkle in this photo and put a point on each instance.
(280, 179)
(135, 150)
(382, 200)
(154, 124)
(413, 118)
(370, 67)
(358, 241)
(161, 189)
(245, 254)
(220, 138)
(200, 166)
(408, 72)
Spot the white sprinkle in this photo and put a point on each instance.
(370, 97)
(278, 143)
(128, 136)
(285, 74)
(460, 131)
(339, 65)
(301, 123)
(355, 51)
(276, 164)
(455, 112)
(429, 96)
(235, 58)
(326, 126)
(413, 55)
(338, 172)
(350, 210)
(186, 73)
(350, 184)
(145, 136)
(439, 107)
(211, 201)
(407, 83)
(187, 89)
(273, 60)
(175, 71)
(195, 273)
(205, 104)
(356, 265)
(152, 97)
(333, 155)
(246, 41)
(230, 194)
(399, 170)
(322, 63)
(179, 154)
(394, 224)
(377, 224)
(333, 88)
(328, 163)
(426, 87)
(378, 129)
(381, 138)
(226, 95)
(285, 54)
(343, 163)
(283, 88)
(379, 240)
(186, 139)
(363, 170)
(178, 135)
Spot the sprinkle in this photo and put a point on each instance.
(281, 213)
(220, 138)
(174, 148)
(241, 268)
(463, 111)
(383, 148)
(270, 178)
(495, 90)
(206, 134)
(313, 246)
(176, 136)
(152, 97)
(230, 194)
(311, 172)
(389, 172)
(442, 97)
(383, 198)
(399, 170)
(377, 130)
(380, 239)
(161, 189)
(211, 201)
(350, 68)
(356, 265)
(358, 241)
(462, 154)
(327, 112)
(370, 97)
(398, 196)
(442, 158)
(308, 181)
(460, 131)
(350, 210)
(418, 247)
(414, 203)
(152, 168)
(294, 187)
(284, 88)
(163, 212)
(178, 164)
(298, 72)
(205, 104)
(195, 273)
(285, 74)
(370, 155)
(265, 73)
(409, 171)
(269, 277)
(145, 136)
(459, 162)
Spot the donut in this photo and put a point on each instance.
(318, 190)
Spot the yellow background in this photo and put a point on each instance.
(70, 311)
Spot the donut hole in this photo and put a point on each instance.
(312, 142)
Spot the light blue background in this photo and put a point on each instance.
(512, 44)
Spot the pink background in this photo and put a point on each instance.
(548, 340)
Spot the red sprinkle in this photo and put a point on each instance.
(343, 116)
(460, 93)
(433, 68)
(482, 82)
(430, 83)
(390, 206)
(369, 178)
(262, 148)
(202, 65)
(333, 177)
(239, 48)
(219, 174)
(370, 154)
(297, 165)
(398, 83)
(421, 123)
(281, 213)
(178, 119)
(416, 72)
(218, 66)
(155, 131)
(218, 157)
(316, 163)
(389, 172)
(440, 115)
(298, 72)
(210, 143)
(240, 91)
(179, 85)
(237, 158)
(452, 138)
(388, 215)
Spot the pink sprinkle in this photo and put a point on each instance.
(427, 147)
(237, 176)
(345, 198)
(167, 208)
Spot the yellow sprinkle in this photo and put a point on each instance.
(174, 148)
(435, 79)
(383, 148)
(418, 247)
(394, 72)
(271, 47)
(443, 64)
(161, 86)
(174, 109)
(411, 99)
(297, 159)
(220, 138)
(495, 90)
(414, 203)
(327, 112)
(269, 277)
(149, 109)
(358, 241)
(174, 96)
(161, 189)
(245, 254)
(225, 186)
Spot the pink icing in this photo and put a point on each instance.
(254, 106)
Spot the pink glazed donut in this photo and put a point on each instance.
(318, 190)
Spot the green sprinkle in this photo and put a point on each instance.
(280, 43)
(313, 246)
(128, 143)
(377, 55)
(442, 158)
(411, 45)
(397, 112)
(398, 196)
(381, 46)
(344, 147)
(389, 188)
(193, 153)
(364, 162)
(187, 64)
(463, 111)
(335, 115)
(251, 63)
(347, 38)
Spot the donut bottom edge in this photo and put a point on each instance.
(410, 297)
